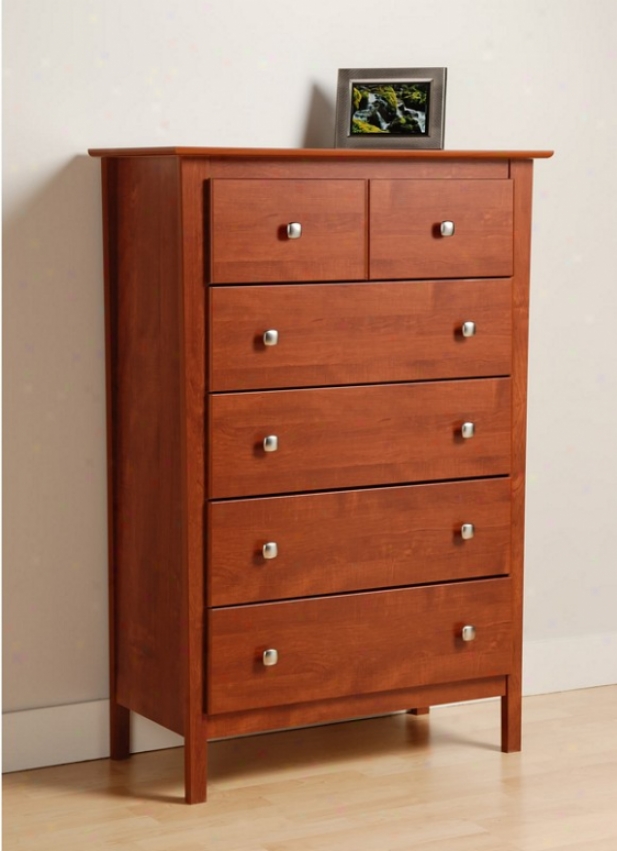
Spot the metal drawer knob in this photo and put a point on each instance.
(468, 633)
(271, 443)
(270, 550)
(468, 430)
(271, 657)
(294, 230)
(271, 338)
(468, 329)
(467, 531)
(446, 228)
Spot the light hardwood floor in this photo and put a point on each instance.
(434, 783)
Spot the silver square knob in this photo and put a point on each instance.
(270, 443)
(270, 550)
(271, 337)
(468, 329)
(467, 531)
(270, 657)
(468, 633)
(294, 230)
(446, 228)
(468, 430)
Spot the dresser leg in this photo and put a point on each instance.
(119, 731)
(195, 769)
(420, 710)
(511, 704)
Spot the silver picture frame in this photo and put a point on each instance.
(429, 135)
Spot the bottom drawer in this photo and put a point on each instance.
(358, 643)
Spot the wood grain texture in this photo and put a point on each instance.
(143, 336)
(359, 169)
(405, 216)
(119, 716)
(249, 242)
(357, 644)
(351, 706)
(313, 153)
(358, 436)
(511, 702)
(181, 432)
(354, 540)
(358, 333)
(192, 416)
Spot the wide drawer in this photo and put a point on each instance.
(357, 436)
(358, 333)
(326, 543)
(358, 643)
(249, 240)
(406, 218)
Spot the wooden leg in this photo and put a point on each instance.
(195, 764)
(511, 704)
(420, 710)
(119, 731)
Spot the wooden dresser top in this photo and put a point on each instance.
(316, 153)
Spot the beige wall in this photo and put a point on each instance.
(83, 73)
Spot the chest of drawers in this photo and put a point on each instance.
(317, 397)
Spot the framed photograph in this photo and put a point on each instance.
(390, 108)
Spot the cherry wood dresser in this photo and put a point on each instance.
(317, 368)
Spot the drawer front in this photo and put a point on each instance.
(357, 436)
(358, 333)
(249, 221)
(359, 643)
(327, 543)
(405, 228)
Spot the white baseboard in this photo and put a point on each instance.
(55, 735)
(78, 732)
(564, 664)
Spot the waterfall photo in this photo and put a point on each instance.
(390, 108)
(399, 108)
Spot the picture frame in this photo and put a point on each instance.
(391, 108)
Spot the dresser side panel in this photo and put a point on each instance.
(119, 716)
(195, 259)
(521, 174)
(148, 502)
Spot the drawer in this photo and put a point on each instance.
(327, 543)
(405, 228)
(358, 436)
(358, 333)
(249, 221)
(330, 647)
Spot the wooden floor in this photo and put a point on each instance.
(433, 783)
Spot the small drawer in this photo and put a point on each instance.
(285, 441)
(288, 230)
(406, 233)
(298, 336)
(327, 543)
(329, 647)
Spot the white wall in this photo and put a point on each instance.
(97, 73)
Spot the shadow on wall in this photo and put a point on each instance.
(319, 129)
(54, 443)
